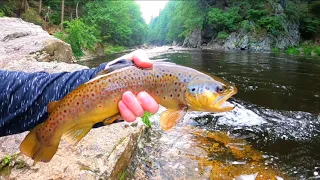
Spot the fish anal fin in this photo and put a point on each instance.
(32, 148)
(75, 134)
(171, 117)
(51, 106)
(111, 119)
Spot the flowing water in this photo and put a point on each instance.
(273, 133)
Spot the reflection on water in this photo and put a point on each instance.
(192, 153)
(273, 133)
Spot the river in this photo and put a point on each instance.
(274, 131)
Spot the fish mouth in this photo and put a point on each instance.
(221, 104)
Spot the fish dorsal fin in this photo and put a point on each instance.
(51, 106)
(171, 117)
(75, 134)
(115, 66)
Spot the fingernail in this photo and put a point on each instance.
(143, 98)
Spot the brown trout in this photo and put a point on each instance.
(177, 88)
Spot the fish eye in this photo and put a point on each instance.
(193, 89)
(220, 89)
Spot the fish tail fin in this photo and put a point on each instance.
(31, 147)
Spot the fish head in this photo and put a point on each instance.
(209, 94)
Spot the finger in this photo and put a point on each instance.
(141, 59)
(132, 103)
(126, 114)
(147, 102)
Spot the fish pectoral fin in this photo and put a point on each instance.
(111, 119)
(51, 106)
(171, 117)
(75, 134)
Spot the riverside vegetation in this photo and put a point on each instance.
(267, 25)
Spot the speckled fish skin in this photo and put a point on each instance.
(175, 87)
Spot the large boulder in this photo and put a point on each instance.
(19, 39)
(102, 154)
(193, 40)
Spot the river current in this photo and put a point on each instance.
(273, 133)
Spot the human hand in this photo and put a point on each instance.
(132, 106)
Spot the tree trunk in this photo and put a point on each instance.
(283, 3)
(62, 14)
(40, 7)
(24, 5)
(77, 15)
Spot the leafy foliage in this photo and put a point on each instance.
(109, 49)
(146, 119)
(119, 22)
(293, 51)
(32, 16)
(273, 24)
(222, 35)
(79, 35)
(1, 13)
(227, 21)
(176, 21)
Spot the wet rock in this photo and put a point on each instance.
(194, 40)
(19, 39)
(102, 154)
(246, 40)
(34, 66)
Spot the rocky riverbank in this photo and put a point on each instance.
(102, 154)
(245, 38)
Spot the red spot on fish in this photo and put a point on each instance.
(92, 94)
(65, 111)
(178, 95)
(114, 100)
(100, 106)
(120, 89)
(61, 119)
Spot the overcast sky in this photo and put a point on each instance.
(151, 8)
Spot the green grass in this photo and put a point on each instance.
(146, 119)
(109, 49)
(275, 50)
(317, 51)
(292, 51)
(1, 13)
(222, 35)
(305, 49)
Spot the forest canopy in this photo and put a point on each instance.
(260, 17)
(84, 24)
(115, 25)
